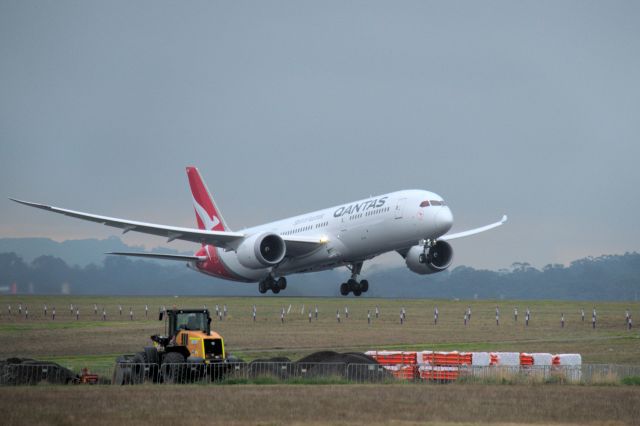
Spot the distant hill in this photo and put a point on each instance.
(74, 267)
(73, 252)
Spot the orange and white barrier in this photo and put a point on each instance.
(568, 364)
(424, 357)
(542, 359)
(526, 360)
(480, 359)
(409, 357)
(442, 366)
(431, 365)
(444, 358)
(505, 359)
(536, 363)
(393, 357)
(404, 372)
(441, 373)
(567, 359)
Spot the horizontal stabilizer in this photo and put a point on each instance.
(160, 256)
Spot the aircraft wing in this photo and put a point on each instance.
(299, 246)
(473, 231)
(223, 239)
(296, 246)
(160, 256)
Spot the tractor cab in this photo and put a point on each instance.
(188, 320)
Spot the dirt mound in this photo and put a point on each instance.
(279, 367)
(322, 356)
(350, 365)
(363, 358)
(26, 371)
(335, 357)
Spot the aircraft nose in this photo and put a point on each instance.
(444, 220)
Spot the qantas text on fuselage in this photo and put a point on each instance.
(356, 208)
(413, 223)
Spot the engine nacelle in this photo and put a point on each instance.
(261, 251)
(437, 259)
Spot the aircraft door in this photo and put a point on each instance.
(399, 211)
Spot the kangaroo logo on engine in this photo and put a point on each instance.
(360, 207)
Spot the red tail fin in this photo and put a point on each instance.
(207, 215)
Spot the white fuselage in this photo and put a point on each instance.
(412, 222)
(353, 232)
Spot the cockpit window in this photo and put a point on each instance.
(437, 203)
(425, 203)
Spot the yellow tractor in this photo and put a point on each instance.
(188, 351)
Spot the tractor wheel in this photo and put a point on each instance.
(122, 371)
(173, 368)
(151, 355)
(139, 366)
(216, 371)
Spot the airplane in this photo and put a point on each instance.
(414, 223)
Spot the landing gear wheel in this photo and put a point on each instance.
(357, 292)
(262, 287)
(275, 289)
(364, 285)
(354, 285)
(281, 283)
(344, 289)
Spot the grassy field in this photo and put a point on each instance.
(92, 342)
(309, 405)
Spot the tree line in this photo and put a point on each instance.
(610, 277)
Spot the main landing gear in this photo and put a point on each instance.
(353, 285)
(270, 283)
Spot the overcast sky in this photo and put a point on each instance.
(526, 108)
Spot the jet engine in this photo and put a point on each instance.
(437, 258)
(261, 251)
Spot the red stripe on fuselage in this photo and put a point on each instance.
(214, 265)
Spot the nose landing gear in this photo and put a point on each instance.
(353, 285)
(426, 256)
(270, 283)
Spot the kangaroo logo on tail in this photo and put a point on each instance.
(209, 222)
(207, 215)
